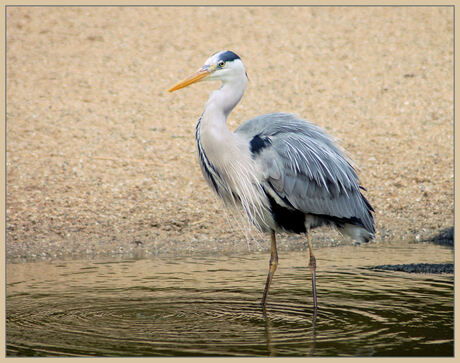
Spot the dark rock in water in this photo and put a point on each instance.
(445, 237)
(428, 268)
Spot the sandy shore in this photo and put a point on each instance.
(101, 158)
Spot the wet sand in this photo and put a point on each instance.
(101, 159)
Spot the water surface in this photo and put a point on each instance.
(209, 306)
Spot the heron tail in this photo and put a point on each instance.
(357, 233)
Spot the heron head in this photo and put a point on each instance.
(222, 66)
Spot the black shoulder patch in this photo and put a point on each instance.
(228, 56)
(257, 144)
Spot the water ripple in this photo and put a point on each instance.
(154, 308)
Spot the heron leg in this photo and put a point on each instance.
(312, 265)
(273, 266)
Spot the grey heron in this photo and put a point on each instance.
(287, 174)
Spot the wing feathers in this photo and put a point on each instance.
(304, 166)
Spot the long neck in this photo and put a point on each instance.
(214, 137)
(222, 101)
(225, 158)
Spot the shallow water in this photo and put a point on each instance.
(201, 306)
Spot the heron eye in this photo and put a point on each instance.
(221, 64)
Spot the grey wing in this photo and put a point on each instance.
(303, 167)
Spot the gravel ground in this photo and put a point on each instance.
(101, 158)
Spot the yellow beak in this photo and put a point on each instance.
(195, 77)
